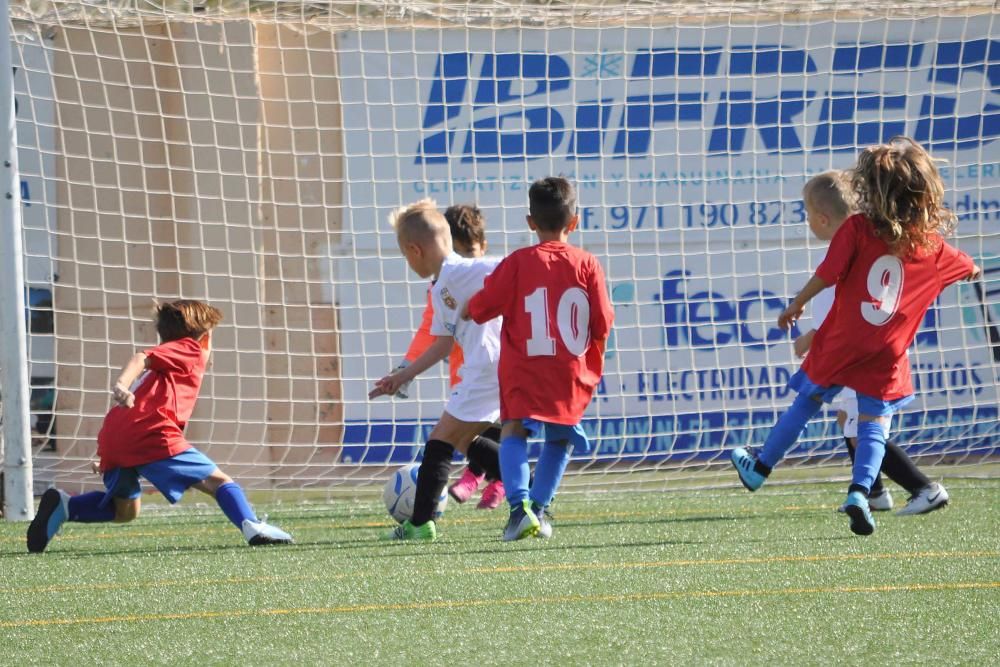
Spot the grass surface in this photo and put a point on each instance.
(687, 577)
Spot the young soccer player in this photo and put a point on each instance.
(829, 202)
(556, 320)
(468, 238)
(143, 436)
(425, 241)
(889, 262)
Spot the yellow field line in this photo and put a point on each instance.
(462, 604)
(764, 560)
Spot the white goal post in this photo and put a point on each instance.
(248, 154)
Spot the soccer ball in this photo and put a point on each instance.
(400, 491)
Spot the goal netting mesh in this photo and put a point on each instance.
(248, 154)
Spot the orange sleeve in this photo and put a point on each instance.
(423, 338)
(454, 363)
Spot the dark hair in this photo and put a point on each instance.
(468, 225)
(900, 190)
(185, 318)
(552, 203)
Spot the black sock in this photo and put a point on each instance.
(476, 469)
(485, 453)
(431, 480)
(902, 470)
(877, 487)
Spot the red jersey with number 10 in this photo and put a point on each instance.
(880, 302)
(554, 305)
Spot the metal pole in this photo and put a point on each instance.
(14, 389)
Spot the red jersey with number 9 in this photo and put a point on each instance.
(880, 302)
(555, 306)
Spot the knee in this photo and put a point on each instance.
(126, 509)
(213, 482)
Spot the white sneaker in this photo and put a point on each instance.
(259, 532)
(931, 497)
(882, 503)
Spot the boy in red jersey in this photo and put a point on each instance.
(890, 263)
(556, 320)
(143, 436)
(468, 238)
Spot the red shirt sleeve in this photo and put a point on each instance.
(423, 338)
(840, 254)
(952, 264)
(602, 314)
(490, 301)
(177, 356)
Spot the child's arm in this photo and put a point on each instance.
(390, 384)
(803, 343)
(798, 304)
(121, 390)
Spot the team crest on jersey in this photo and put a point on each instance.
(448, 299)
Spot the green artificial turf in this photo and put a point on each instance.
(722, 577)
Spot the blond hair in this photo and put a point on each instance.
(420, 222)
(900, 190)
(831, 193)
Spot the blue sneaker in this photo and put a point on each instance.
(53, 510)
(752, 472)
(522, 523)
(862, 522)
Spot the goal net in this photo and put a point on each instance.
(249, 154)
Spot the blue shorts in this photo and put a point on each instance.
(574, 435)
(867, 405)
(171, 477)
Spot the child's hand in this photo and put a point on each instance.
(465, 311)
(803, 343)
(976, 273)
(790, 316)
(390, 384)
(122, 396)
(95, 467)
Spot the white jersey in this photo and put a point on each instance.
(460, 278)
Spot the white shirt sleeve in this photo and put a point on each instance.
(822, 303)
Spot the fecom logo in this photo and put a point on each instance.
(522, 106)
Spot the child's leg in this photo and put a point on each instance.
(449, 433)
(870, 452)
(788, 429)
(57, 507)
(549, 473)
(230, 497)
(878, 488)
(514, 462)
(901, 469)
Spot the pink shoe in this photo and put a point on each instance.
(492, 496)
(466, 485)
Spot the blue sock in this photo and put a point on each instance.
(234, 504)
(549, 472)
(87, 508)
(514, 469)
(788, 429)
(869, 454)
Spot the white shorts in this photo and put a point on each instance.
(477, 397)
(847, 401)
